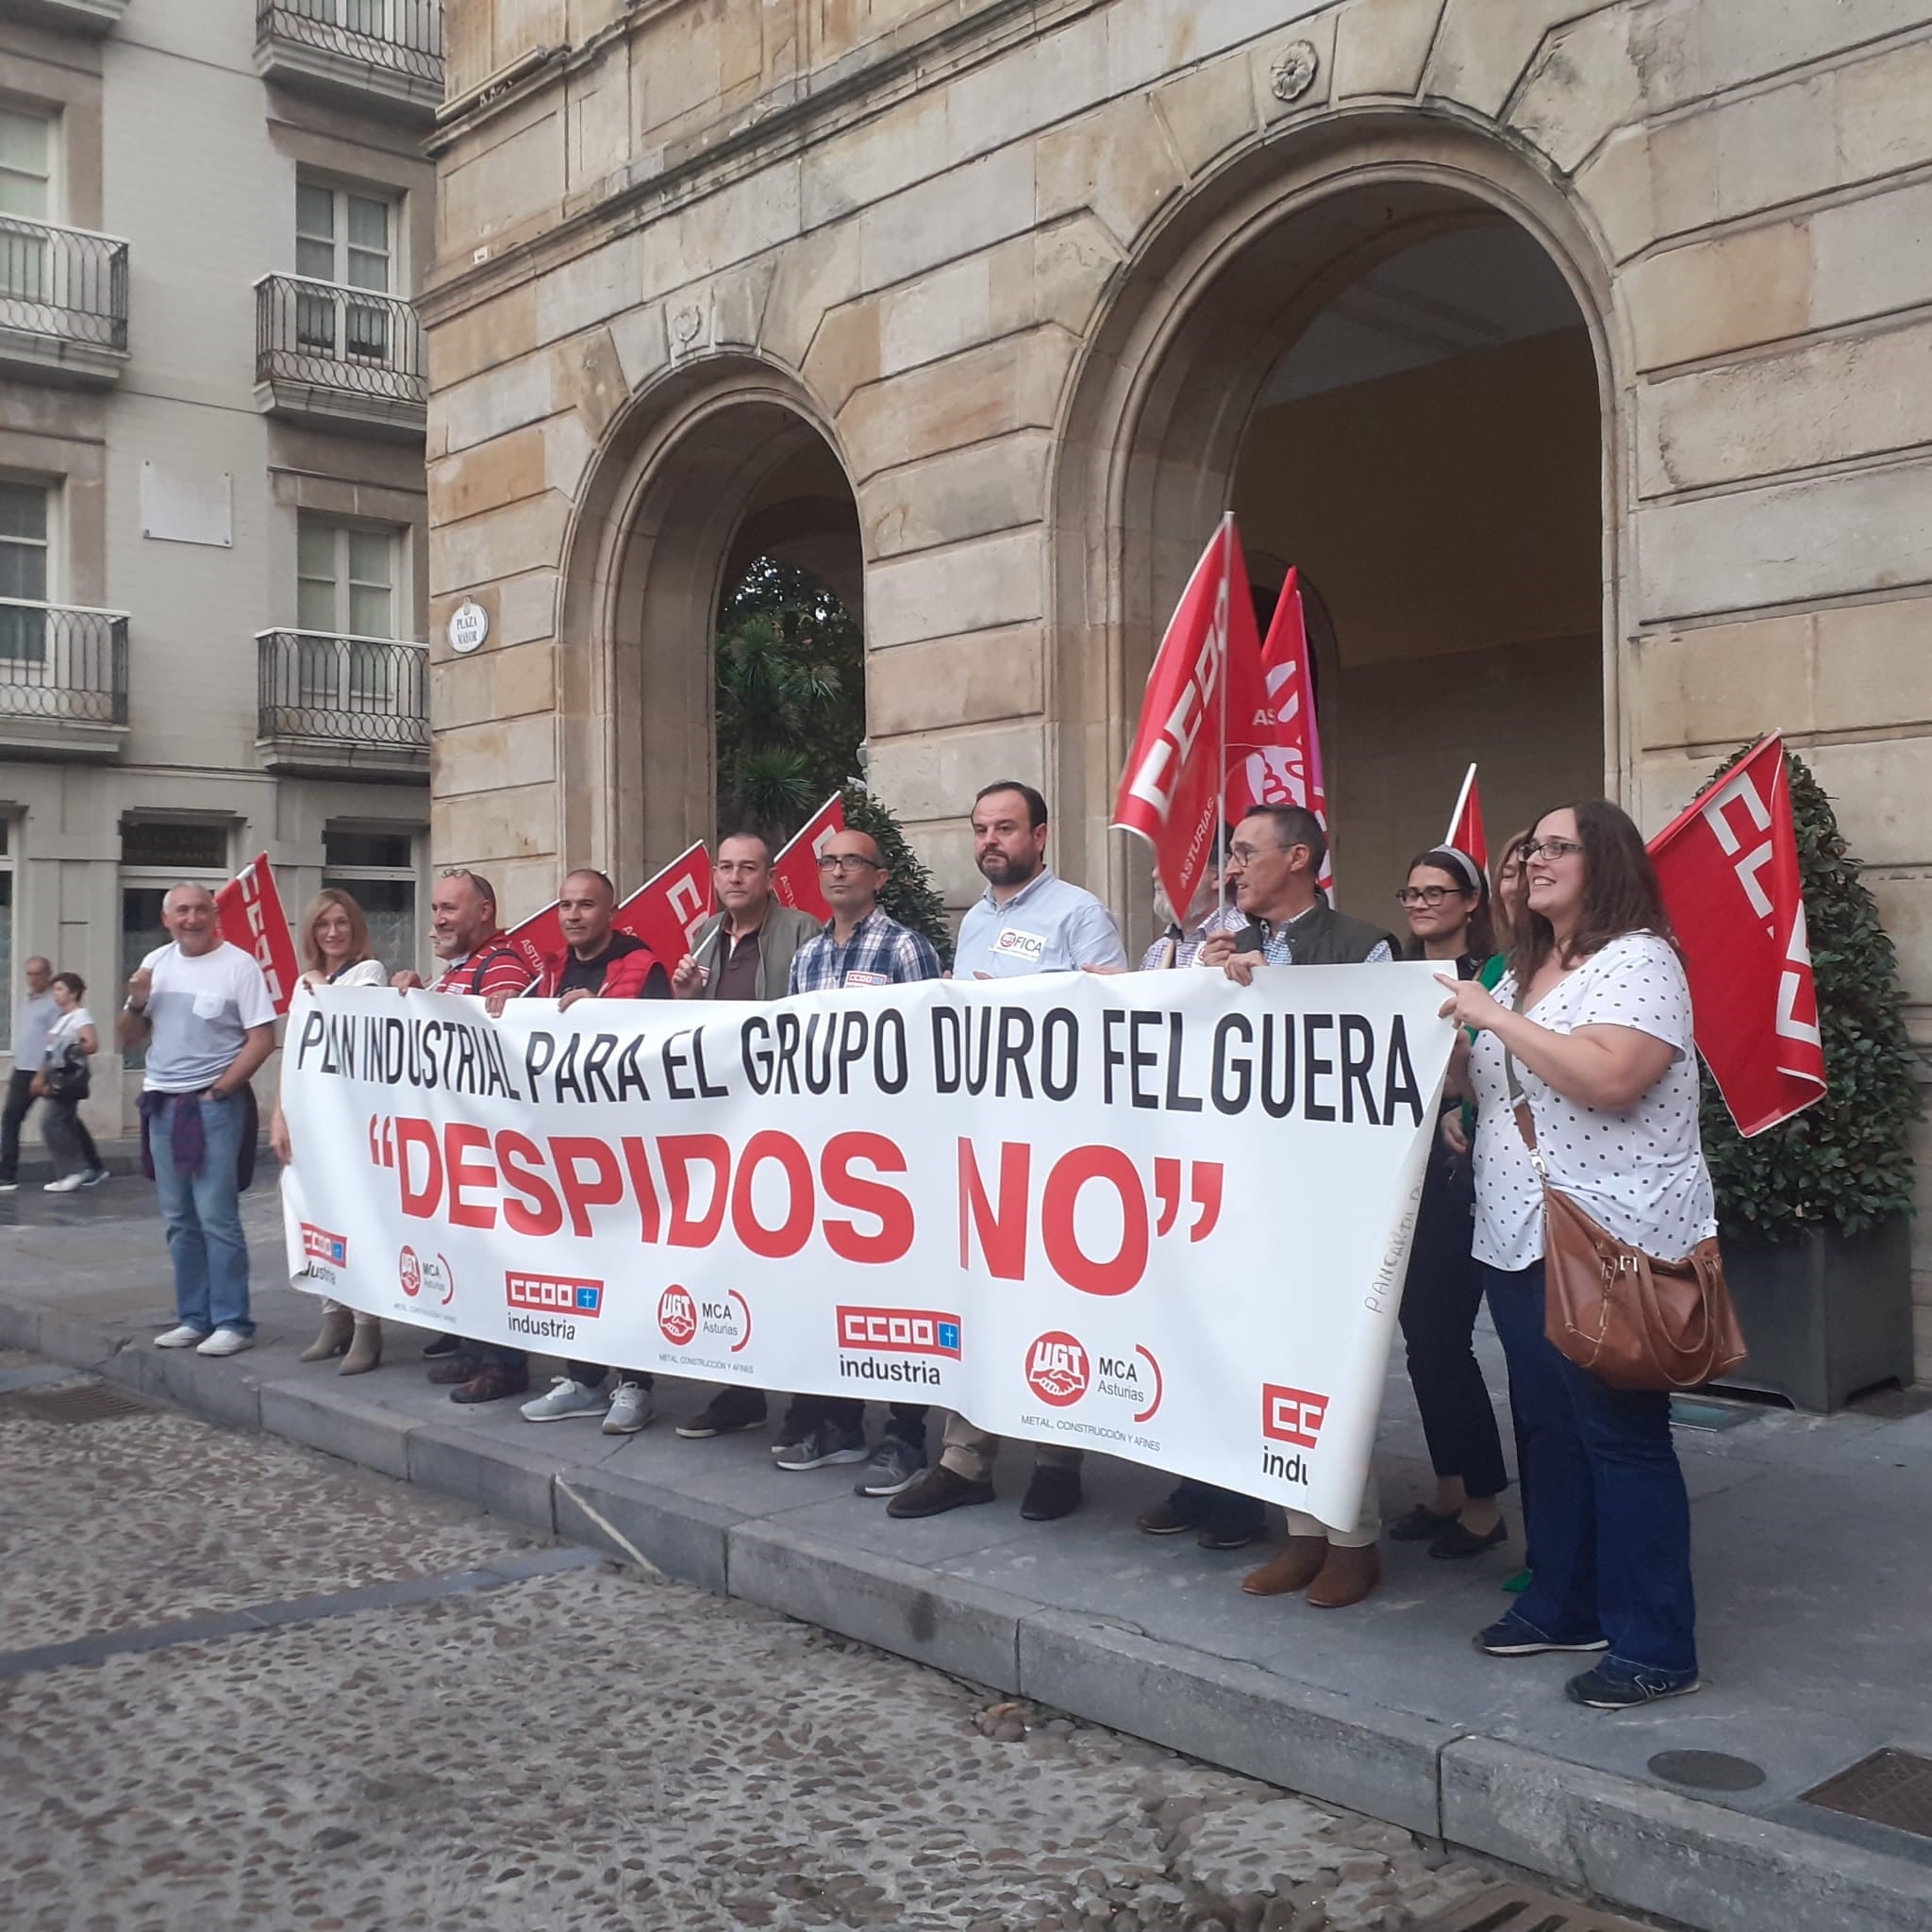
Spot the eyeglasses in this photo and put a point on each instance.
(1426, 896)
(1550, 848)
(848, 862)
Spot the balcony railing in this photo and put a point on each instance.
(63, 677)
(329, 700)
(331, 336)
(381, 56)
(62, 290)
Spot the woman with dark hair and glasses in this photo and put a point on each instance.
(1447, 901)
(1591, 1028)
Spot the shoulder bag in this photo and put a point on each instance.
(1632, 1321)
(68, 1076)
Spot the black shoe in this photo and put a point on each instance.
(1051, 1494)
(1419, 1525)
(1601, 1690)
(1230, 1529)
(1514, 1636)
(444, 1344)
(1183, 1509)
(1455, 1541)
(725, 1415)
(939, 1490)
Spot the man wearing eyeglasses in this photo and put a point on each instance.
(1274, 861)
(1027, 921)
(860, 945)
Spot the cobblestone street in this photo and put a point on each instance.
(579, 1748)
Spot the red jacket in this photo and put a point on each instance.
(631, 972)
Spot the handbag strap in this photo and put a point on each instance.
(1525, 1120)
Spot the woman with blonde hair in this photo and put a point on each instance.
(332, 942)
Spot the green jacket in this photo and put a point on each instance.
(784, 931)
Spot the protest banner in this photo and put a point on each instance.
(1728, 869)
(1153, 1214)
(248, 910)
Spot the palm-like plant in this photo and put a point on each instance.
(791, 697)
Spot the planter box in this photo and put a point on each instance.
(1826, 1316)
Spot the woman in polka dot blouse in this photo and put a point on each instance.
(1594, 1012)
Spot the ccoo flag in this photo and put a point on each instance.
(1206, 708)
(796, 871)
(539, 939)
(1729, 866)
(248, 910)
(666, 911)
(1466, 824)
(1287, 768)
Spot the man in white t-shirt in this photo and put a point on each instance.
(202, 1010)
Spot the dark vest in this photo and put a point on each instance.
(1327, 938)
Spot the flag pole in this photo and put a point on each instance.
(1461, 800)
(1226, 671)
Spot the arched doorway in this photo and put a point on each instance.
(1398, 296)
(723, 463)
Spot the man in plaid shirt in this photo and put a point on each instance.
(861, 946)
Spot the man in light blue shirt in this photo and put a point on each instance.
(32, 1018)
(1029, 922)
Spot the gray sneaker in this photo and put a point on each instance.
(630, 1409)
(826, 1443)
(895, 1465)
(566, 1401)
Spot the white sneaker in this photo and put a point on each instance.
(66, 1184)
(183, 1336)
(226, 1341)
(630, 1409)
(566, 1401)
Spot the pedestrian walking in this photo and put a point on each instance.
(1276, 861)
(1446, 901)
(596, 962)
(64, 1080)
(33, 1014)
(1592, 1029)
(745, 953)
(478, 959)
(202, 1010)
(1028, 920)
(859, 945)
(332, 942)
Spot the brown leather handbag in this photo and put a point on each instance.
(1632, 1321)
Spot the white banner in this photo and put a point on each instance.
(1155, 1214)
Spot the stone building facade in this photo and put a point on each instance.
(1578, 353)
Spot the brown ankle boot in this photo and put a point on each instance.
(338, 1325)
(1347, 1578)
(1293, 1567)
(365, 1351)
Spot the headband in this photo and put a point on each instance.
(1470, 871)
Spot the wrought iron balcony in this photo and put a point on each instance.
(328, 703)
(63, 301)
(63, 679)
(341, 355)
(385, 54)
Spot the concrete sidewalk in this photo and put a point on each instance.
(1814, 1571)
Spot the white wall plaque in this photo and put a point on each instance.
(186, 509)
(469, 626)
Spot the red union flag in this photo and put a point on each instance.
(1286, 769)
(666, 911)
(539, 939)
(1466, 824)
(796, 871)
(1206, 708)
(1729, 866)
(249, 912)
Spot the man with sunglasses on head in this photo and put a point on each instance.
(859, 945)
(478, 957)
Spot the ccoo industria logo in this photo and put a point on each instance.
(553, 1294)
(318, 1244)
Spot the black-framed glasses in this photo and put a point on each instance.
(1426, 896)
(1550, 848)
(848, 862)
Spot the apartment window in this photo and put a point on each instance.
(26, 190)
(346, 595)
(6, 937)
(24, 571)
(378, 871)
(155, 855)
(348, 239)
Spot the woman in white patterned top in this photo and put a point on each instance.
(333, 942)
(1595, 1014)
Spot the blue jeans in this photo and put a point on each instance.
(202, 1212)
(1609, 1517)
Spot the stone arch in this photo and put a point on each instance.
(690, 471)
(1157, 405)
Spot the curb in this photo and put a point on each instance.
(1634, 1846)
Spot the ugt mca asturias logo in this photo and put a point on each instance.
(1058, 1369)
(426, 1278)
